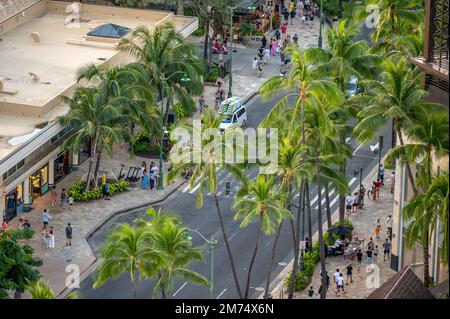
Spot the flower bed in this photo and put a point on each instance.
(78, 194)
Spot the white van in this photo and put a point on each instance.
(234, 113)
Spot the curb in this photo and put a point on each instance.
(279, 280)
(89, 269)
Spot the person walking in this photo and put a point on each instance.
(44, 237)
(355, 202)
(45, 218)
(266, 55)
(349, 273)
(377, 228)
(375, 253)
(336, 275)
(255, 64)
(359, 257)
(106, 191)
(377, 187)
(68, 232)
(386, 249)
(51, 238)
(374, 190)
(369, 256)
(63, 198)
(361, 195)
(70, 202)
(370, 244)
(152, 179)
(392, 182)
(295, 39)
(348, 204)
(389, 226)
(144, 183)
(263, 41)
(283, 31)
(311, 292)
(201, 104)
(340, 285)
(54, 196)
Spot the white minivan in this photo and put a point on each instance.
(233, 112)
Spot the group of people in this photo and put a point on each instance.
(48, 232)
(63, 198)
(305, 9)
(148, 177)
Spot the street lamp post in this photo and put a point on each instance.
(380, 147)
(161, 142)
(212, 245)
(302, 258)
(320, 25)
(230, 78)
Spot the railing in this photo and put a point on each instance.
(9, 8)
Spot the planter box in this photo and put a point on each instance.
(205, 83)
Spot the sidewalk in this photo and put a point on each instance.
(363, 222)
(85, 218)
(245, 81)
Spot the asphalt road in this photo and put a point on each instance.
(205, 220)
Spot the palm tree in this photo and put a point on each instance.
(343, 59)
(429, 141)
(390, 19)
(411, 44)
(128, 250)
(262, 204)
(204, 169)
(169, 239)
(41, 290)
(159, 54)
(303, 83)
(92, 116)
(393, 97)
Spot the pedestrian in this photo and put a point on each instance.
(295, 39)
(106, 195)
(20, 224)
(349, 273)
(219, 82)
(377, 187)
(54, 196)
(45, 217)
(292, 13)
(375, 253)
(369, 256)
(70, 202)
(340, 285)
(277, 35)
(389, 226)
(336, 275)
(144, 183)
(255, 64)
(386, 249)
(377, 228)
(303, 19)
(264, 41)
(274, 47)
(361, 194)
(68, 232)
(26, 224)
(140, 174)
(392, 182)
(359, 257)
(311, 19)
(382, 174)
(283, 31)
(63, 198)
(370, 244)
(348, 204)
(266, 55)
(374, 190)
(355, 202)
(299, 8)
(51, 238)
(152, 179)
(311, 292)
(44, 237)
(286, 15)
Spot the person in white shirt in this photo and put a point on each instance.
(255, 64)
(348, 203)
(266, 55)
(336, 275)
(339, 284)
(389, 226)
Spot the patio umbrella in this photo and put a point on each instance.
(341, 230)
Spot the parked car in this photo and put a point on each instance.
(352, 87)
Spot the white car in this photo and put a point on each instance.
(233, 112)
(352, 86)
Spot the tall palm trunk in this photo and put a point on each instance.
(166, 112)
(294, 240)
(134, 284)
(91, 163)
(180, 7)
(342, 169)
(319, 225)
(327, 207)
(97, 165)
(272, 260)
(227, 245)
(408, 167)
(426, 260)
(252, 261)
(309, 215)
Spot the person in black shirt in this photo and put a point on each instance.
(369, 256)
(349, 273)
(264, 41)
(359, 257)
(310, 292)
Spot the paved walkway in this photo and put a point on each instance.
(85, 218)
(363, 222)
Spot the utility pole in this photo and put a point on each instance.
(380, 148)
(320, 25)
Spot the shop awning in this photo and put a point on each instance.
(243, 7)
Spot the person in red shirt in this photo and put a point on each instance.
(377, 187)
(283, 31)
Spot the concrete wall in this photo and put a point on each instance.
(35, 10)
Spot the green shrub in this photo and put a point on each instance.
(142, 144)
(78, 194)
(331, 7)
(310, 260)
(213, 74)
(199, 32)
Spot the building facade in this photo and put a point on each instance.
(435, 65)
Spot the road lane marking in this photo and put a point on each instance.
(195, 188)
(231, 237)
(317, 196)
(323, 200)
(350, 183)
(220, 295)
(179, 289)
(347, 139)
(357, 149)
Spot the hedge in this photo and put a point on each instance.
(310, 260)
(78, 194)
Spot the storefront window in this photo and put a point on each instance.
(44, 175)
(19, 191)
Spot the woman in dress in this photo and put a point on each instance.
(51, 238)
(44, 238)
(144, 183)
(274, 47)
